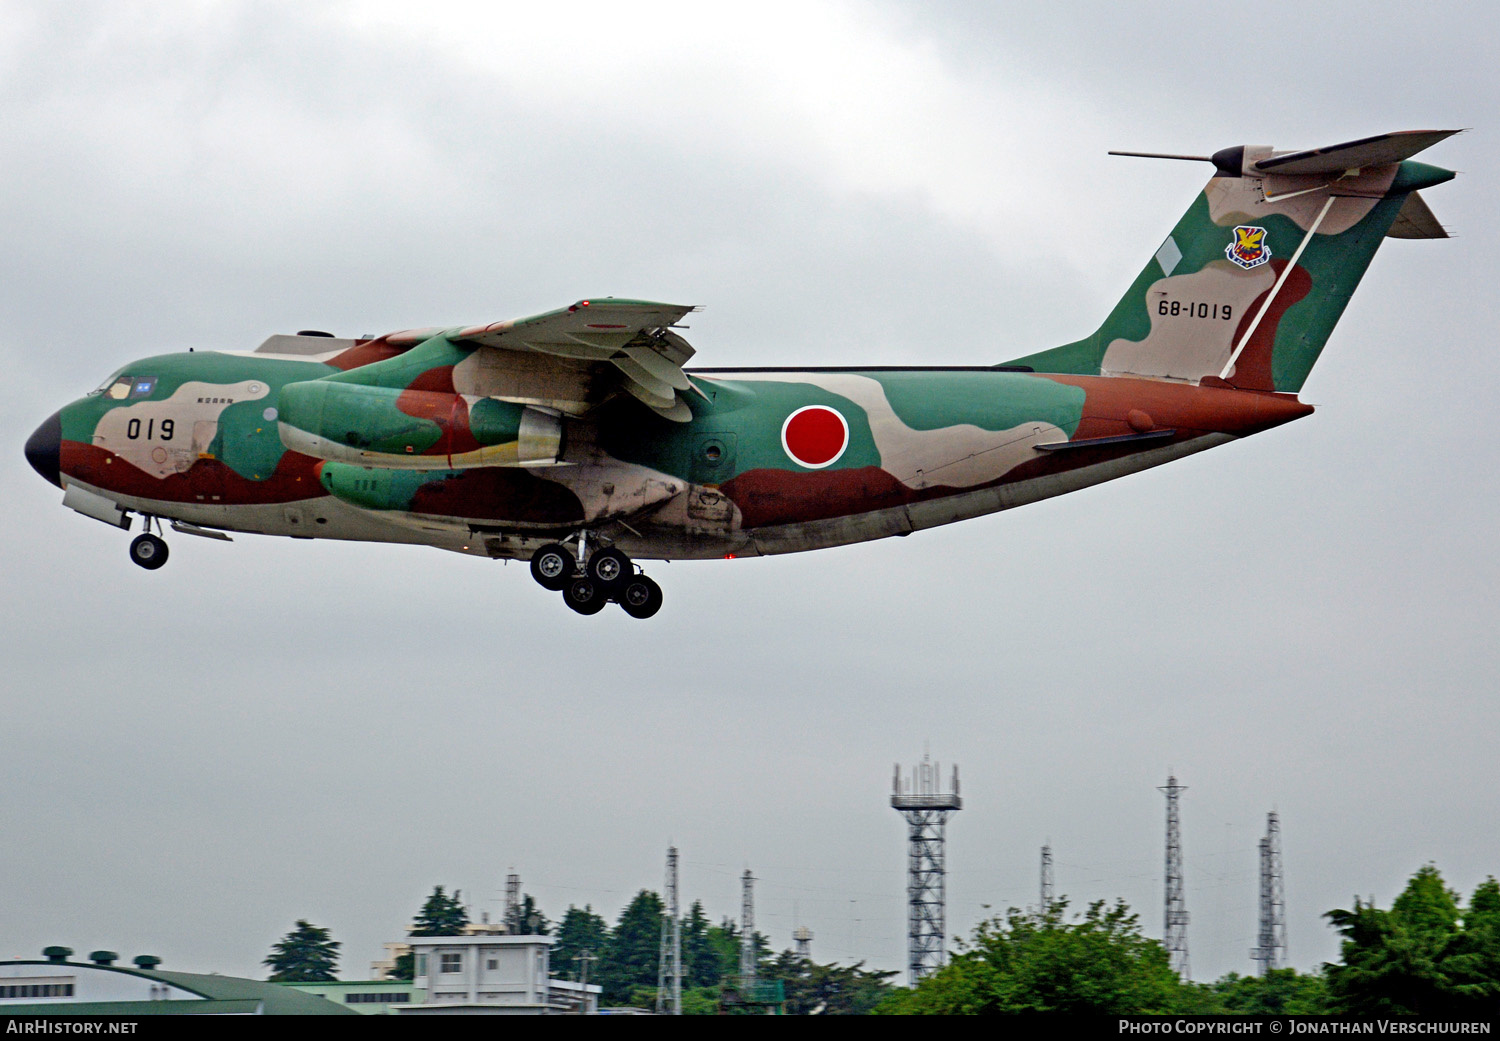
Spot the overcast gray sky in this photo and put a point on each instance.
(192, 759)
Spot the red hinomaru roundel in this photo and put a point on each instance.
(815, 436)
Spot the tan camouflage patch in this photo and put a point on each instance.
(1249, 200)
(958, 456)
(167, 437)
(1183, 346)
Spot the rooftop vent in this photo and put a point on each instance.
(104, 957)
(146, 961)
(313, 332)
(57, 953)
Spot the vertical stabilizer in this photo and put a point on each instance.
(1248, 286)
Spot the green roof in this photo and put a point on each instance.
(222, 994)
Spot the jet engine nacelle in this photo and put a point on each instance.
(413, 429)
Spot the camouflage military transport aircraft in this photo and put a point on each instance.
(578, 440)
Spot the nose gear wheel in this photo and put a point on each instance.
(148, 551)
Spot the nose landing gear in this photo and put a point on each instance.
(149, 551)
(591, 580)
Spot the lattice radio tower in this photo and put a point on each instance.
(669, 967)
(1176, 919)
(1270, 951)
(747, 930)
(926, 808)
(1046, 893)
(513, 902)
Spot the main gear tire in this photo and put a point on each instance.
(609, 567)
(640, 597)
(148, 551)
(552, 566)
(584, 596)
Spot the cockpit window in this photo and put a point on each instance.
(117, 375)
(119, 387)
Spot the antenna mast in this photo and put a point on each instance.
(1046, 893)
(1271, 952)
(669, 966)
(1176, 917)
(747, 931)
(926, 808)
(513, 903)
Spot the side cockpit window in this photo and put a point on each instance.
(118, 388)
(108, 383)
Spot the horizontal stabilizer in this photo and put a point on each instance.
(1415, 221)
(1367, 151)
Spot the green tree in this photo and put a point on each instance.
(580, 930)
(1280, 992)
(441, 915)
(304, 955)
(1474, 962)
(700, 960)
(724, 941)
(828, 990)
(630, 959)
(404, 969)
(700, 1001)
(1423, 957)
(1041, 962)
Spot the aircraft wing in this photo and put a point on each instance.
(603, 344)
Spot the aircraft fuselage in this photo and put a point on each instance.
(773, 461)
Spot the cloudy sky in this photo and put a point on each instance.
(268, 730)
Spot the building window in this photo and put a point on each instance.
(452, 962)
(36, 990)
(492, 964)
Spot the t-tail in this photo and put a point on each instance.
(1248, 286)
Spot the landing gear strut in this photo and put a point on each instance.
(591, 580)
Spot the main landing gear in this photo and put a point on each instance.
(603, 575)
(148, 550)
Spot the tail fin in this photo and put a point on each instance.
(1247, 287)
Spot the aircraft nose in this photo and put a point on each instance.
(44, 449)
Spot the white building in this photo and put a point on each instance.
(492, 974)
